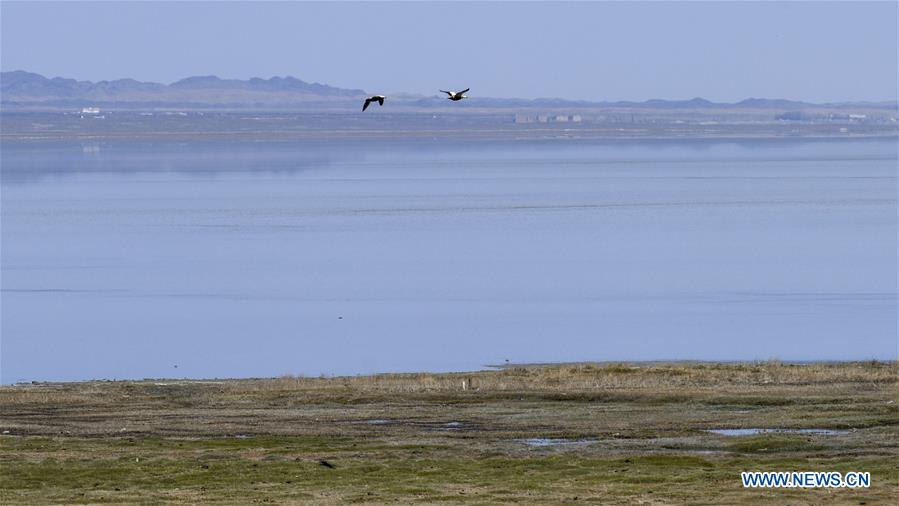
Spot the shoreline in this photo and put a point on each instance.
(486, 368)
(424, 136)
(473, 126)
(427, 136)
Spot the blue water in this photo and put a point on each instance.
(215, 259)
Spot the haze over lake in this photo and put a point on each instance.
(125, 260)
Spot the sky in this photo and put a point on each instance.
(721, 51)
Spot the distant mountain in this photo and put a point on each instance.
(27, 87)
(20, 89)
(694, 103)
(773, 103)
(289, 84)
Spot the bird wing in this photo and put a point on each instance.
(464, 91)
(365, 105)
(447, 92)
(380, 100)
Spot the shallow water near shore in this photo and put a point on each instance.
(213, 259)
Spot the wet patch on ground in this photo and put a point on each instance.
(755, 431)
(424, 425)
(544, 442)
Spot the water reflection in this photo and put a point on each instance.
(264, 258)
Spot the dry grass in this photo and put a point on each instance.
(633, 380)
(591, 377)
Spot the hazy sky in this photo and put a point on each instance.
(725, 51)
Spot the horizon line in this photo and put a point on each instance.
(893, 100)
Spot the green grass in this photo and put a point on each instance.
(240, 442)
(204, 470)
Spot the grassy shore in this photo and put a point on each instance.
(601, 433)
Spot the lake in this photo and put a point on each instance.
(244, 259)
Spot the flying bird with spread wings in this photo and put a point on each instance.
(455, 96)
(374, 98)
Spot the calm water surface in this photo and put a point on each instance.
(258, 259)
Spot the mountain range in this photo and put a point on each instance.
(26, 87)
(20, 89)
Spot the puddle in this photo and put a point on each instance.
(751, 432)
(542, 442)
(422, 425)
(452, 426)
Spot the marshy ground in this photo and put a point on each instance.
(601, 433)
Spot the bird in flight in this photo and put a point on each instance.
(374, 98)
(455, 96)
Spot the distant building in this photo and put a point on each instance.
(523, 118)
(789, 116)
(548, 118)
